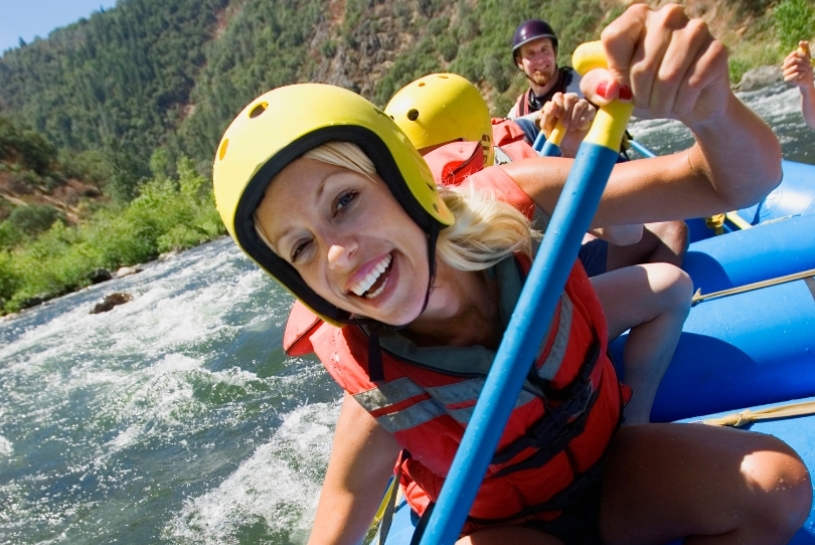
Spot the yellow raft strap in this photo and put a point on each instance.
(383, 505)
(747, 416)
(698, 297)
(716, 223)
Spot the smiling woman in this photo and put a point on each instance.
(326, 194)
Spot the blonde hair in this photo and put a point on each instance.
(486, 229)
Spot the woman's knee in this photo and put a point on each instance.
(783, 484)
(673, 286)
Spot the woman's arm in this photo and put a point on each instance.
(798, 71)
(362, 459)
(676, 70)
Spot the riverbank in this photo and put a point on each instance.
(168, 215)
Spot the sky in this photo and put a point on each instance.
(29, 18)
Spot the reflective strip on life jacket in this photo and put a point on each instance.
(554, 359)
(456, 400)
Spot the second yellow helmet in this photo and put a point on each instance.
(441, 108)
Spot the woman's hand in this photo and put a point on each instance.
(668, 64)
(797, 67)
(575, 113)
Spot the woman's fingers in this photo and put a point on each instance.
(670, 63)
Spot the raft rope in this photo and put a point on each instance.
(698, 297)
(738, 221)
(746, 417)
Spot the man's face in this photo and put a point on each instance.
(538, 60)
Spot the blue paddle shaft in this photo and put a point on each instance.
(641, 149)
(540, 140)
(530, 320)
(550, 149)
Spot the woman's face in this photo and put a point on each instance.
(348, 238)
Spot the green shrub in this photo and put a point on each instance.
(9, 236)
(328, 49)
(33, 219)
(447, 47)
(9, 280)
(794, 21)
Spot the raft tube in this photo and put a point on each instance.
(738, 351)
(794, 196)
(770, 250)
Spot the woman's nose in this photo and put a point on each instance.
(340, 254)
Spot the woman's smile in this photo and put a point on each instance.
(373, 283)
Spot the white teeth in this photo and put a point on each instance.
(377, 292)
(365, 284)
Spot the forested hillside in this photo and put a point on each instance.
(139, 94)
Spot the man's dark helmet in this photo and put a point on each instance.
(532, 29)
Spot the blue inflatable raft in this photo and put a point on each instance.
(794, 196)
(745, 350)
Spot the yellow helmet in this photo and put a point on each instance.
(280, 126)
(442, 108)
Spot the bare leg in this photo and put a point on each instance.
(662, 242)
(651, 300)
(707, 484)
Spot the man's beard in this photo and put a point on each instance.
(541, 78)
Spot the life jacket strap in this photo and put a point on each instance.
(554, 430)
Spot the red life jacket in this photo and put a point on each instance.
(452, 163)
(509, 138)
(557, 433)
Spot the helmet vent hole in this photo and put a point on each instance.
(422, 84)
(259, 109)
(413, 114)
(444, 77)
(222, 149)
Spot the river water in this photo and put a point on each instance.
(176, 418)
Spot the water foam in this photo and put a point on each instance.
(278, 485)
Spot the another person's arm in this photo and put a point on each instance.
(362, 459)
(683, 75)
(797, 70)
(619, 235)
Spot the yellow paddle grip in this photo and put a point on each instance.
(610, 122)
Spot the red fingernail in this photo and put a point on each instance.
(602, 89)
(626, 93)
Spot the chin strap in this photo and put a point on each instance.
(375, 369)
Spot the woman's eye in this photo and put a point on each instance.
(344, 200)
(299, 249)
